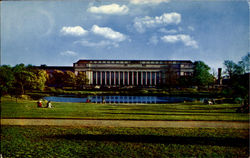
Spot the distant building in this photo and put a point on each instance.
(133, 73)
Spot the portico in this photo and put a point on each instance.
(125, 78)
(143, 73)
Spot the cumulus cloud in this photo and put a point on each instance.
(74, 31)
(97, 44)
(172, 31)
(191, 28)
(109, 9)
(186, 39)
(141, 24)
(68, 53)
(108, 33)
(139, 2)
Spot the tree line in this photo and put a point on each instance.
(20, 78)
(238, 77)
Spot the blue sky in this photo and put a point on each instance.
(62, 32)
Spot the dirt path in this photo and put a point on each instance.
(126, 123)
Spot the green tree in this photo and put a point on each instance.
(69, 79)
(229, 64)
(38, 80)
(57, 78)
(81, 80)
(233, 68)
(244, 63)
(238, 78)
(185, 81)
(6, 79)
(23, 78)
(201, 76)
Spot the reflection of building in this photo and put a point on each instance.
(143, 73)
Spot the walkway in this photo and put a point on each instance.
(126, 123)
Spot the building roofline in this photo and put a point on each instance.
(130, 60)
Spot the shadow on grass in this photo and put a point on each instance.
(190, 114)
(233, 142)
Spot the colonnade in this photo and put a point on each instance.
(126, 78)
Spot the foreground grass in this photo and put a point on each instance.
(180, 111)
(46, 141)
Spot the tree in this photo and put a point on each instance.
(38, 80)
(244, 63)
(201, 75)
(185, 81)
(81, 80)
(6, 79)
(237, 69)
(69, 79)
(23, 78)
(238, 78)
(57, 78)
(229, 64)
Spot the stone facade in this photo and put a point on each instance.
(141, 73)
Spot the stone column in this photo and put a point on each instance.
(105, 77)
(92, 78)
(151, 79)
(132, 77)
(137, 79)
(142, 78)
(123, 77)
(146, 78)
(119, 78)
(101, 77)
(155, 77)
(128, 78)
(114, 77)
(110, 77)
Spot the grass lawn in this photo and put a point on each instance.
(180, 111)
(46, 141)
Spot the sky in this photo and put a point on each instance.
(59, 33)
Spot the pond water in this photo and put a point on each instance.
(120, 99)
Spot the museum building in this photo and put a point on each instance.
(142, 73)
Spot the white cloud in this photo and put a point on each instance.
(68, 53)
(97, 44)
(74, 31)
(141, 24)
(186, 39)
(153, 40)
(172, 31)
(139, 2)
(109, 9)
(108, 33)
(191, 28)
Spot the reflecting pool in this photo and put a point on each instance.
(120, 99)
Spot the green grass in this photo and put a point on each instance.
(46, 141)
(180, 111)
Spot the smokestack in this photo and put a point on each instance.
(219, 76)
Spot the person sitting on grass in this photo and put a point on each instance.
(49, 105)
(39, 104)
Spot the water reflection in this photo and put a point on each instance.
(121, 99)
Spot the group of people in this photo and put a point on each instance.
(40, 104)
